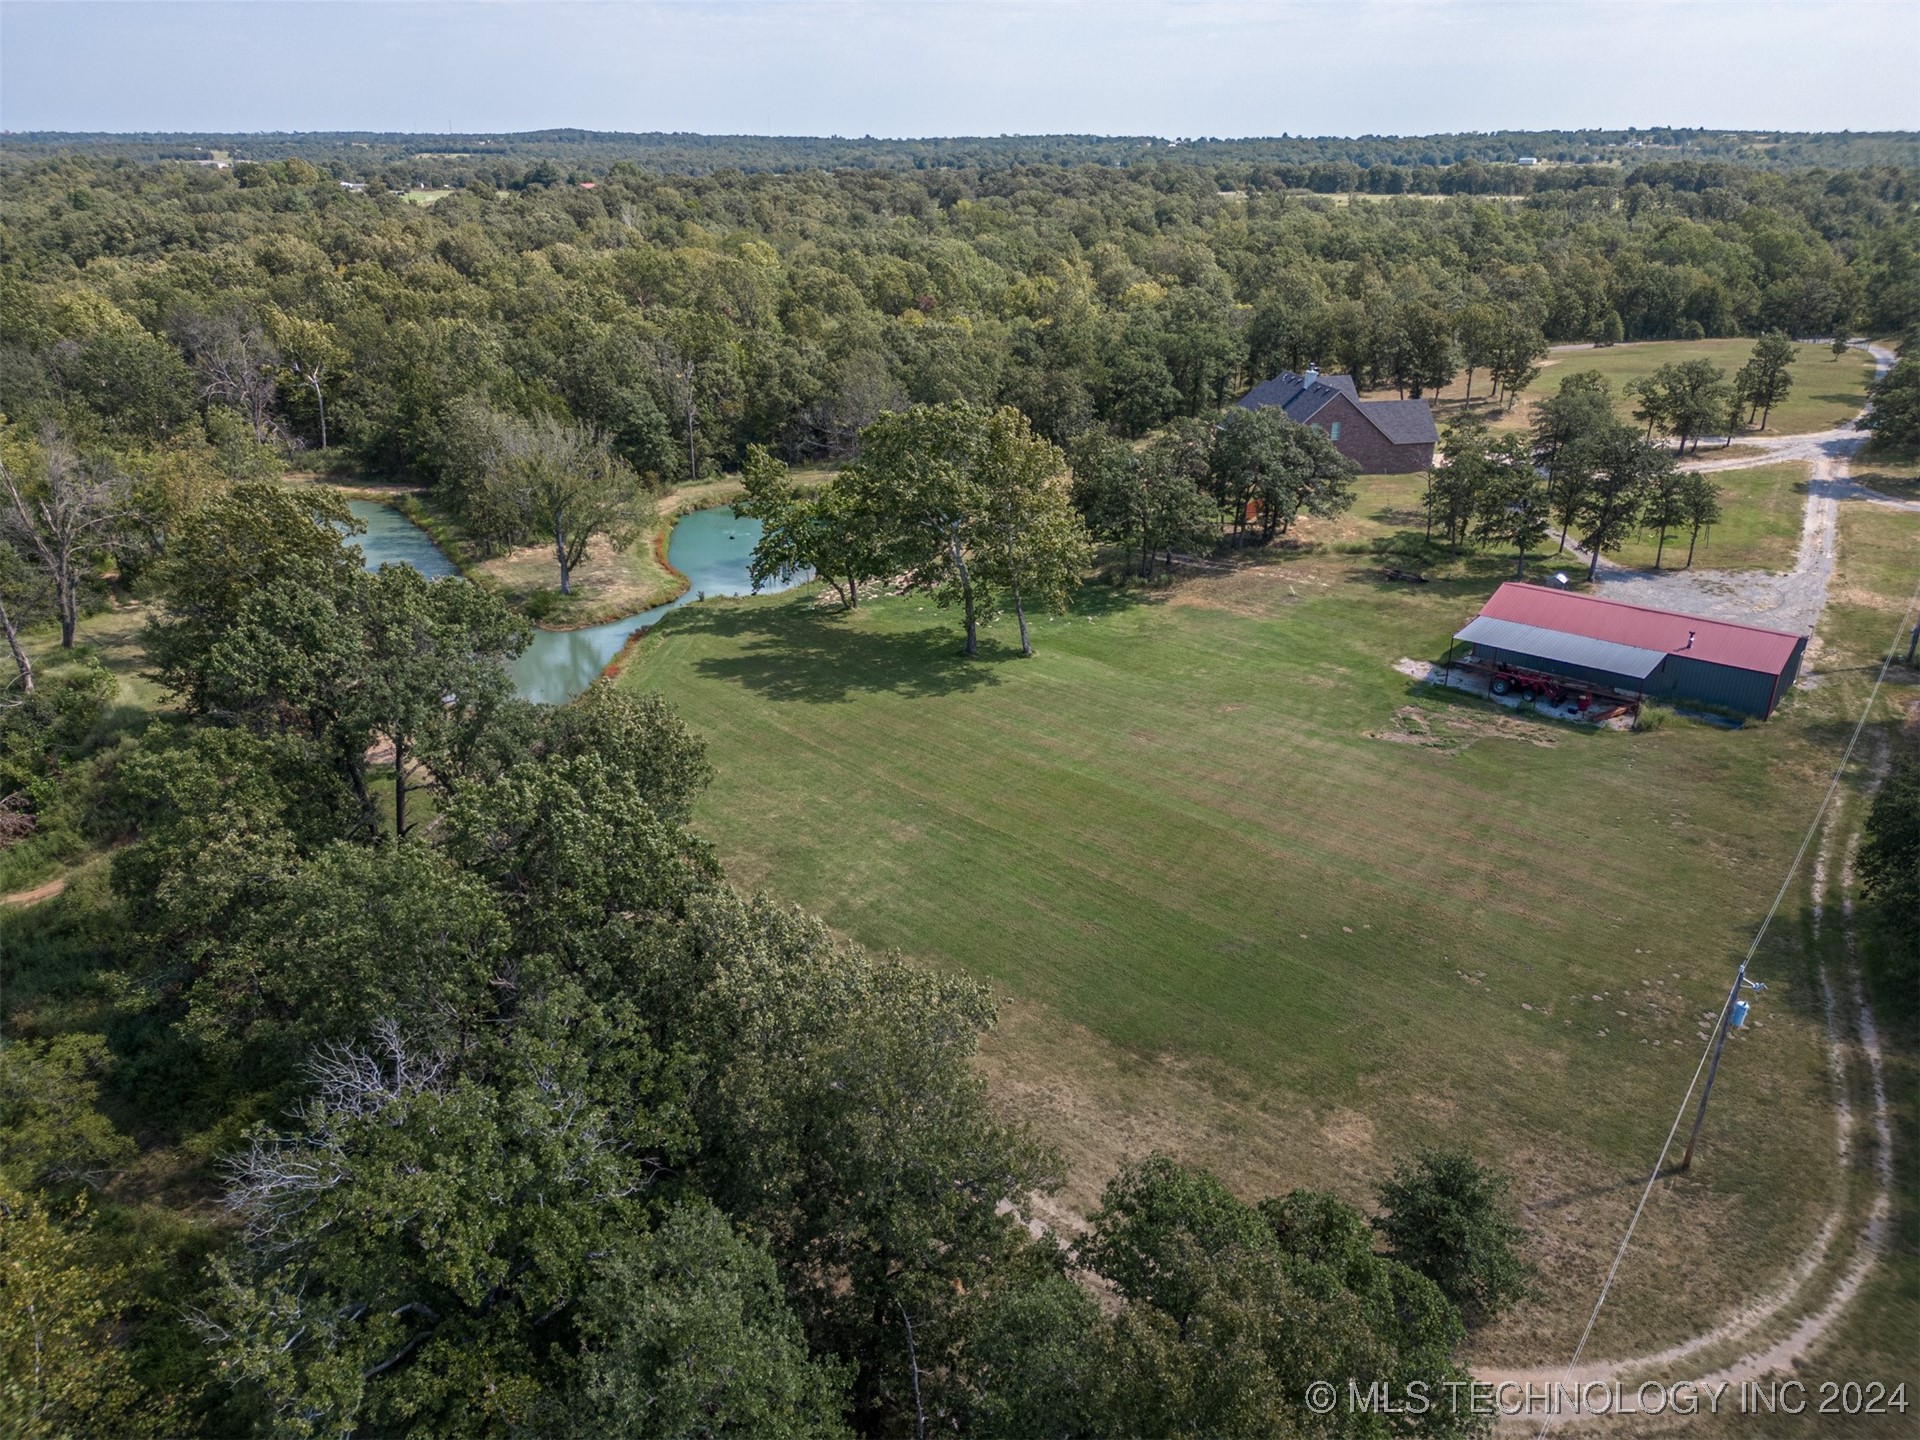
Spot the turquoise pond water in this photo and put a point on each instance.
(710, 547)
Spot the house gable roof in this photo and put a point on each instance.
(1299, 400)
(1717, 642)
(1402, 422)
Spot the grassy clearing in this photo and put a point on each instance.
(1252, 896)
(1891, 472)
(1763, 507)
(1827, 391)
(111, 636)
(1761, 531)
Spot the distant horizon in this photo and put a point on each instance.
(906, 139)
(1229, 69)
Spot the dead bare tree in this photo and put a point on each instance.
(63, 523)
(236, 363)
(676, 374)
(21, 595)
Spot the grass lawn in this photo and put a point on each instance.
(1250, 895)
(1826, 391)
(1760, 531)
(1891, 472)
(1763, 510)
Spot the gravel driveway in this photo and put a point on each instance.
(1791, 601)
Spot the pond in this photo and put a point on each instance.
(392, 539)
(710, 547)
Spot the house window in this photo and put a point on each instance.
(1333, 431)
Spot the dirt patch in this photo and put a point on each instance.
(1415, 727)
(35, 895)
(1102, 1106)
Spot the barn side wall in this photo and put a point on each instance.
(1748, 691)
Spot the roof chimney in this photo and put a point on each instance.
(1308, 380)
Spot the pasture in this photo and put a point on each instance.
(1760, 528)
(1762, 509)
(1827, 391)
(1249, 894)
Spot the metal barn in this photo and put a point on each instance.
(1635, 651)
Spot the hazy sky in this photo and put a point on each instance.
(900, 68)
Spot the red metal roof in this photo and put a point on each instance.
(1718, 642)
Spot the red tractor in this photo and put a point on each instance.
(1535, 685)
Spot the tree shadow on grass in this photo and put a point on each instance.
(798, 651)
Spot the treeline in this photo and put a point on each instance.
(486, 1106)
(185, 318)
(436, 158)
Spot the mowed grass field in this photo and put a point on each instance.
(1762, 511)
(1249, 894)
(1827, 390)
(1760, 527)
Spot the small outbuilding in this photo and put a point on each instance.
(1633, 650)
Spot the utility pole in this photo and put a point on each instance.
(1713, 1068)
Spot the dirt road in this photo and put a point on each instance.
(1790, 601)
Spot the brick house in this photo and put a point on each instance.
(1382, 437)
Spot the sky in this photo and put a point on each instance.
(985, 67)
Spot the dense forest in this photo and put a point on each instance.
(789, 310)
(411, 1066)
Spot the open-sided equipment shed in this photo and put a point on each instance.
(1635, 650)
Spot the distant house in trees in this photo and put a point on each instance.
(1382, 437)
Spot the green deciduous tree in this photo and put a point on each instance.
(234, 545)
(1445, 1215)
(1895, 416)
(685, 1332)
(411, 1251)
(563, 482)
(61, 1371)
(1666, 508)
(1685, 400)
(1032, 543)
(1267, 467)
(53, 1137)
(1700, 508)
(915, 470)
(842, 1119)
(432, 668)
(1515, 508)
(1613, 471)
(1148, 502)
(827, 531)
(1767, 377)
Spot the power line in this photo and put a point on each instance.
(1680, 1115)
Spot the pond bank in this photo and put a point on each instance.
(708, 550)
